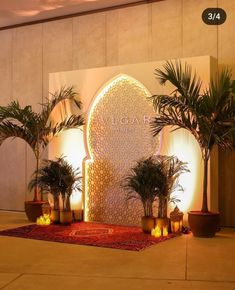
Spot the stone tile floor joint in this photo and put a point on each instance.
(186, 259)
(13, 280)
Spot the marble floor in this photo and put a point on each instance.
(181, 263)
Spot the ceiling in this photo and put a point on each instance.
(15, 12)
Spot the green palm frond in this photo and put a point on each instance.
(11, 130)
(202, 114)
(56, 98)
(21, 122)
(186, 83)
(74, 121)
(177, 109)
(14, 111)
(176, 121)
(172, 168)
(28, 125)
(154, 178)
(57, 177)
(140, 184)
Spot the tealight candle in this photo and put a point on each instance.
(43, 220)
(153, 232)
(165, 232)
(158, 232)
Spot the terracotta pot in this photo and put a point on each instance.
(55, 216)
(33, 209)
(147, 224)
(204, 225)
(66, 217)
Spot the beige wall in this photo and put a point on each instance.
(157, 31)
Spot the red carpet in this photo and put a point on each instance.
(90, 234)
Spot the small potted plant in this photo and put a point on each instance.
(208, 115)
(171, 168)
(47, 180)
(150, 180)
(60, 179)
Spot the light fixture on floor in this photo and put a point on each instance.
(176, 218)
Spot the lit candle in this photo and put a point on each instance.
(43, 220)
(165, 231)
(153, 232)
(176, 227)
(158, 232)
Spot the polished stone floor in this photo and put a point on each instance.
(180, 264)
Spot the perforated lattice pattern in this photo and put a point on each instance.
(118, 134)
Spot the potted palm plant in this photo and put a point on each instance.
(152, 179)
(171, 168)
(47, 178)
(60, 179)
(70, 180)
(37, 130)
(208, 115)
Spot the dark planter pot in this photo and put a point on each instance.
(204, 225)
(147, 223)
(66, 217)
(33, 209)
(55, 216)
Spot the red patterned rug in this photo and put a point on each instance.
(89, 234)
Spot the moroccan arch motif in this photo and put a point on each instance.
(117, 134)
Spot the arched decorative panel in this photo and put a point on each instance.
(117, 134)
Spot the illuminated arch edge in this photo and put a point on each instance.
(89, 159)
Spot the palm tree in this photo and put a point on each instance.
(209, 115)
(36, 129)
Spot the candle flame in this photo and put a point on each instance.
(157, 232)
(43, 220)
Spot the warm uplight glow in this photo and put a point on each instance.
(70, 144)
(76, 200)
(87, 163)
(72, 147)
(183, 145)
